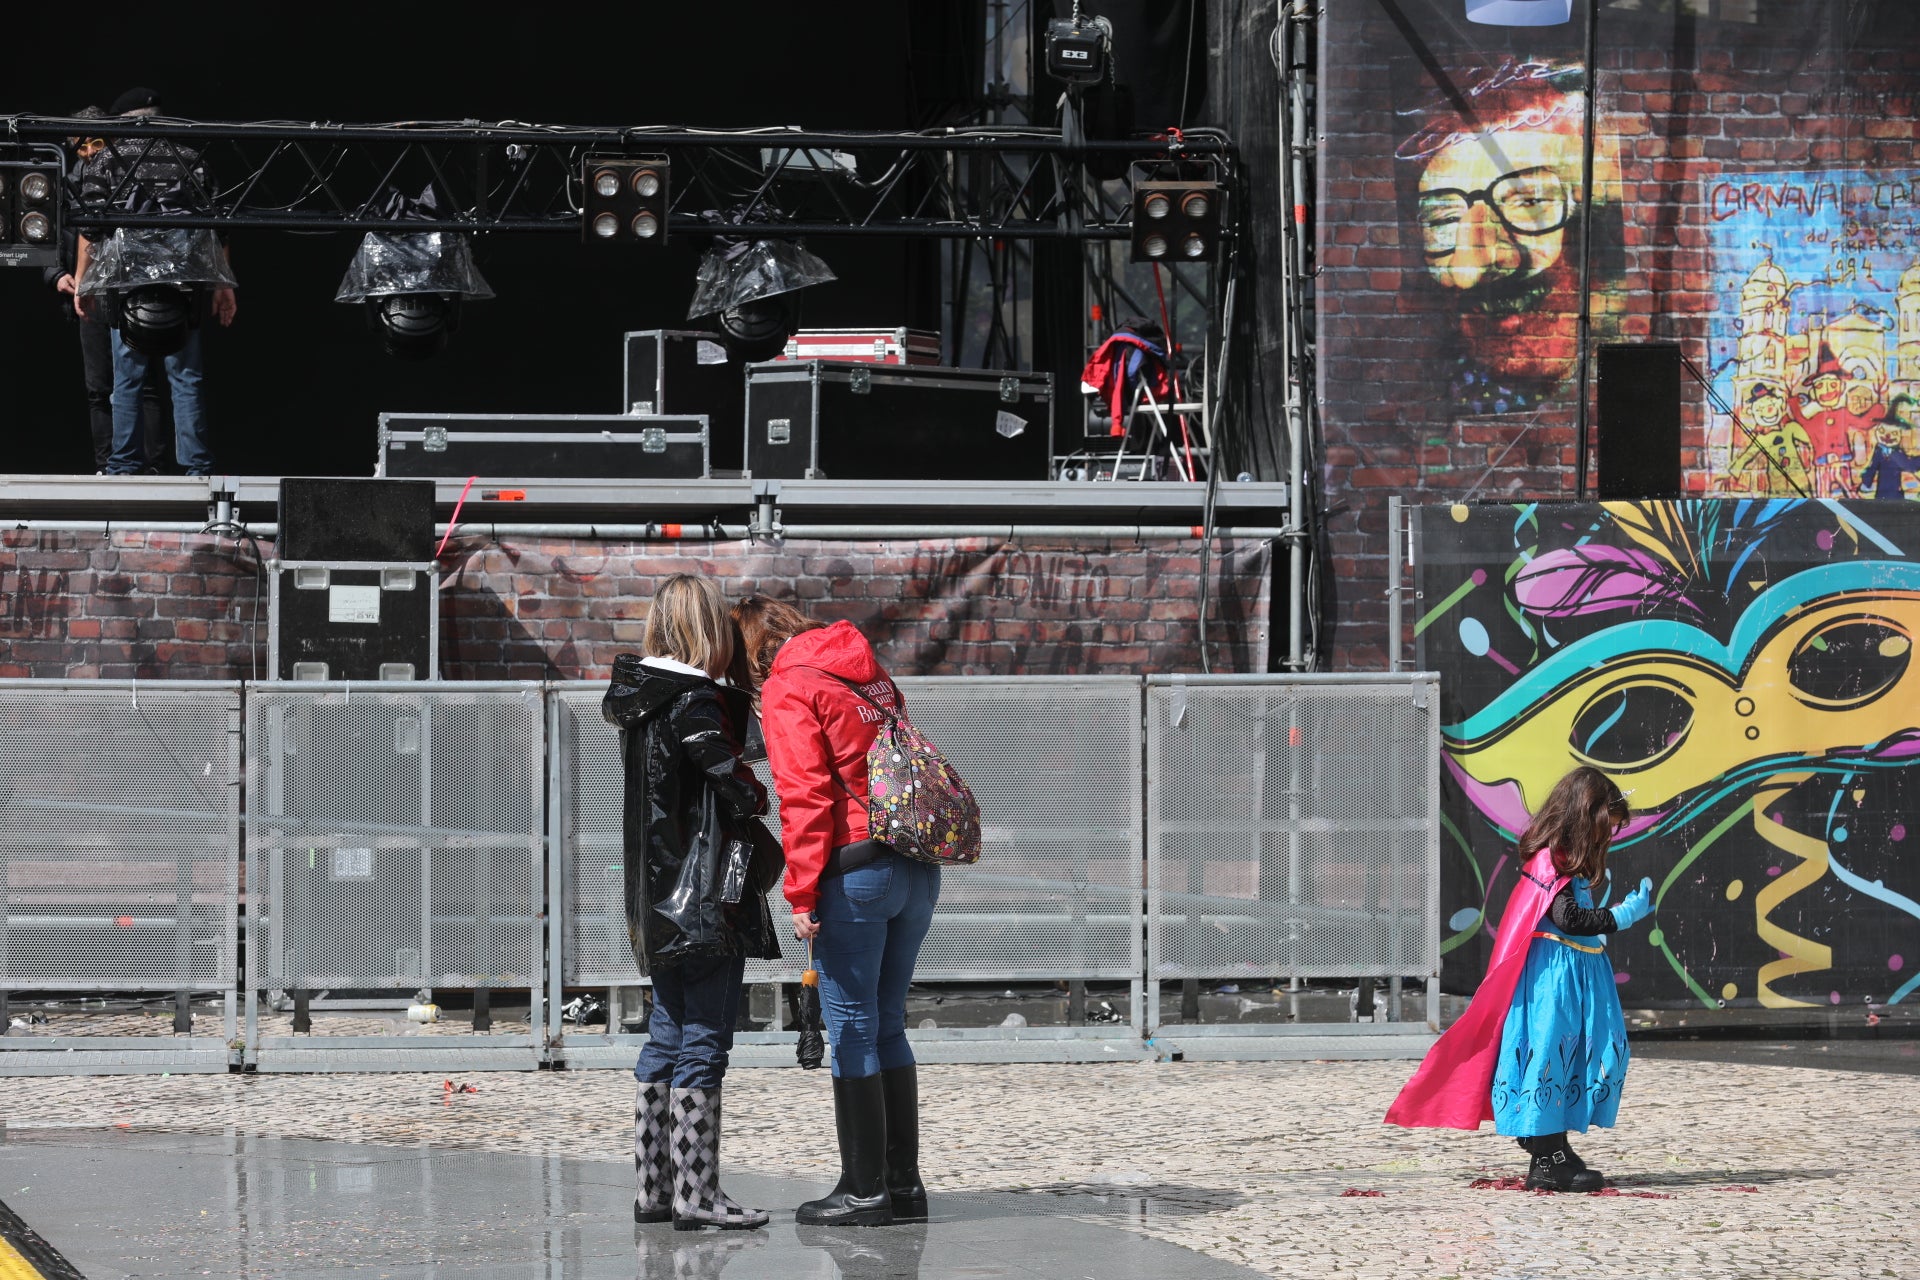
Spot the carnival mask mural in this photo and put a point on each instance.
(1746, 671)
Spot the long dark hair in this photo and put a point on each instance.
(764, 626)
(1577, 824)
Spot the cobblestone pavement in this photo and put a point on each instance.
(1720, 1170)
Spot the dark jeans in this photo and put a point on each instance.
(690, 1034)
(872, 922)
(130, 371)
(156, 405)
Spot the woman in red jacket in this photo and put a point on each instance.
(865, 907)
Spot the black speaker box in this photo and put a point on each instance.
(1637, 420)
(352, 519)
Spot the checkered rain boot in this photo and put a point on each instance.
(652, 1155)
(698, 1200)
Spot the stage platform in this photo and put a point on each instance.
(734, 504)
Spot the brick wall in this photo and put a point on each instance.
(1684, 103)
(169, 606)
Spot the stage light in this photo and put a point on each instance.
(1519, 13)
(626, 201)
(29, 212)
(154, 319)
(413, 285)
(1176, 204)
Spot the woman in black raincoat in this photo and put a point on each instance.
(695, 896)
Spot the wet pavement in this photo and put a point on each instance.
(125, 1203)
(1724, 1167)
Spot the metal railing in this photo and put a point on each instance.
(461, 835)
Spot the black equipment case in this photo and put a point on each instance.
(818, 419)
(353, 620)
(685, 371)
(515, 446)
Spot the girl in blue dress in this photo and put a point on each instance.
(1563, 1047)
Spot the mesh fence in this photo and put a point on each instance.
(1055, 765)
(395, 836)
(119, 815)
(1290, 829)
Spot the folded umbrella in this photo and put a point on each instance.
(811, 1048)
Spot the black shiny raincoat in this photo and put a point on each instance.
(690, 813)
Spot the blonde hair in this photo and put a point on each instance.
(688, 622)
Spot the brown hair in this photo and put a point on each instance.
(764, 626)
(1577, 823)
(688, 622)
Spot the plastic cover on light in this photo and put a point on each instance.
(731, 275)
(391, 263)
(132, 258)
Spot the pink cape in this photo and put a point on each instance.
(1453, 1089)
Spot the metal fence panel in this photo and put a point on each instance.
(395, 835)
(119, 825)
(1055, 764)
(1292, 827)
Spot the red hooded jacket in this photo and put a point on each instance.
(818, 732)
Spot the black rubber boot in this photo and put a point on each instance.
(901, 1088)
(1552, 1171)
(860, 1198)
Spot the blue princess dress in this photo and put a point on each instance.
(1563, 1050)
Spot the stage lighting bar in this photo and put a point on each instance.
(1176, 219)
(29, 213)
(625, 200)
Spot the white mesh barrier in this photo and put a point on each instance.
(119, 825)
(1292, 827)
(1055, 764)
(395, 835)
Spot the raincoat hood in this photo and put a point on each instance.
(839, 650)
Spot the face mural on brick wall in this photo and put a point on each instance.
(1491, 163)
(1816, 343)
(1745, 672)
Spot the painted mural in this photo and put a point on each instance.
(1816, 350)
(1489, 164)
(1744, 670)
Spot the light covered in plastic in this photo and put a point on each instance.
(133, 257)
(733, 275)
(391, 263)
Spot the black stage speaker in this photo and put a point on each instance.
(336, 519)
(1638, 420)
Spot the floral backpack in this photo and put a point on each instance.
(916, 801)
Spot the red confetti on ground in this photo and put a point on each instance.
(1497, 1184)
(1753, 1190)
(125, 922)
(1355, 1191)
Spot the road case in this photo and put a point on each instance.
(353, 620)
(826, 420)
(867, 346)
(544, 446)
(686, 371)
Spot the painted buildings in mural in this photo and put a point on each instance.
(1494, 165)
(1817, 347)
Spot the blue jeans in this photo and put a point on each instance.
(691, 1030)
(189, 415)
(872, 922)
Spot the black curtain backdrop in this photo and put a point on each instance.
(297, 383)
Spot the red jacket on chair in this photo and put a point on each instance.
(1108, 370)
(818, 732)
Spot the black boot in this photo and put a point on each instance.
(901, 1087)
(1573, 1159)
(1551, 1170)
(860, 1198)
